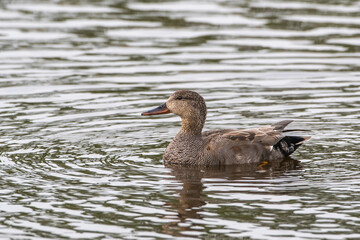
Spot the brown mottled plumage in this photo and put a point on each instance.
(221, 147)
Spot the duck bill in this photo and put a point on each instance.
(162, 109)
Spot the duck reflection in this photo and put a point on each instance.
(192, 197)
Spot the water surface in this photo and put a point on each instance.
(79, 162)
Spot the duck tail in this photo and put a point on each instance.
(289, 144)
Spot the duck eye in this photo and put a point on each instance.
(179, 98)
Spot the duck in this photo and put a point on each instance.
(191, 146)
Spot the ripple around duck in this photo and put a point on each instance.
(77, 161)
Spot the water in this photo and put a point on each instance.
(79, 162)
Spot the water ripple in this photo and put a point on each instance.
(78, 162)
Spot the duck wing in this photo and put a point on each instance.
(256, 143)
(266, 135)
(215, 133)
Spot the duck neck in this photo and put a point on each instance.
(192, 126)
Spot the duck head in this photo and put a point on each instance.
(183, 103)
(189, 105)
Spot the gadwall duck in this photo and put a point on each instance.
(191, 146)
